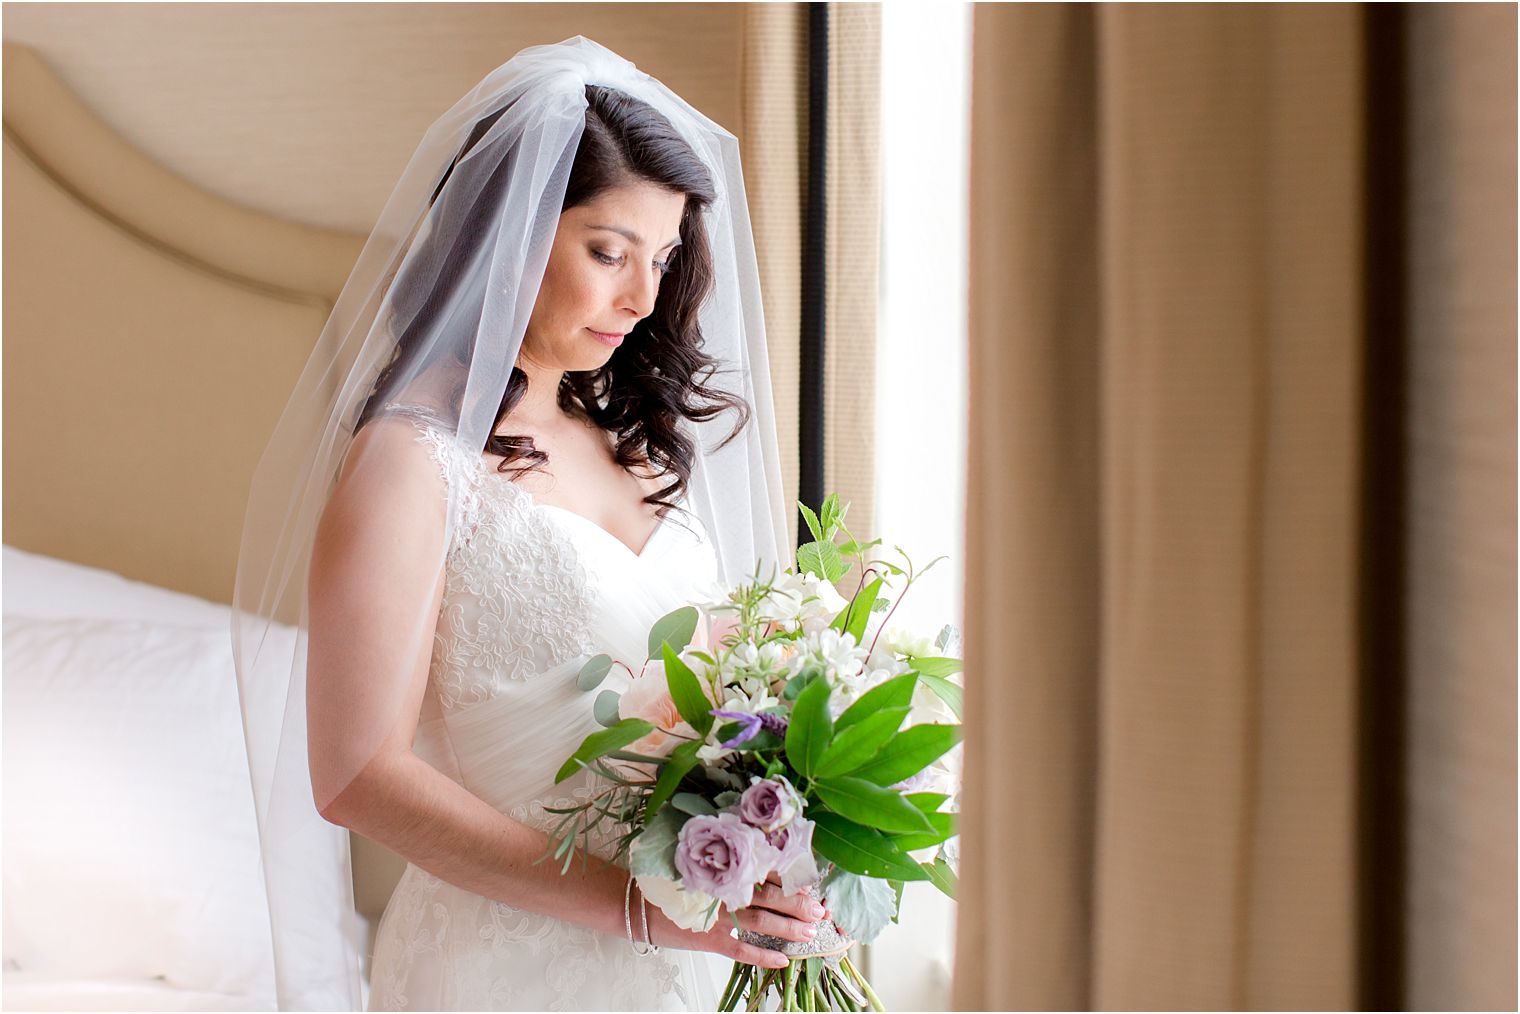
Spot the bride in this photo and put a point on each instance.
(538, 420)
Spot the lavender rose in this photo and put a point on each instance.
(769, 803)
(723, 856)
(795, 863)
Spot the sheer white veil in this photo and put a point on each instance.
(431, 320)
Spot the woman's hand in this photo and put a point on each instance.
(772, 913)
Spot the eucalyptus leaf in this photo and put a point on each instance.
(605, 708)
(690, 802)
(594, 671)
(675, 628)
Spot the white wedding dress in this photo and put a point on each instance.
(531, 591)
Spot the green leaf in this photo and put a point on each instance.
(831, 513)
(947, 691)
(687, 693)
(928, 802)
(653, 853)
(606, 708)
(822, 559)
(682, 759)
(594, 671)
(861, 850)
(860, 610)
(599, 744)
(812, 520)
(675, 628)
(913, 749)
(895, 692)
(861, 906)
(810, 730)
(690, 802)
(800, 682)
(860, 742)
(762, 740)
(941, 875)
(944, 828)
(871, 805)
(934, 666)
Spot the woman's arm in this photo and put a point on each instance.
(375, 587)
(416, 811)
(419, 813)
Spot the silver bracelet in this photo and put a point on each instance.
(628, 919)
(654, 948)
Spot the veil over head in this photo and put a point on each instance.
(431, 320)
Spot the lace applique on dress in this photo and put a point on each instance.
(518, 599)
(422, 927)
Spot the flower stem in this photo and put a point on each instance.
(860, 980)
(731, 989)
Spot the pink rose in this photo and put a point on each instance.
(709, 634)
(648, 697)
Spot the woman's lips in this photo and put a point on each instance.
(607, 339)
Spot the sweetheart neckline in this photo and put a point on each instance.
(639, 556)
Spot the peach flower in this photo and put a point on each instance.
(648, 697)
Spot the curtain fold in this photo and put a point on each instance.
(1166, 511)
(774, 143)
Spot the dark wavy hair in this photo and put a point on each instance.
(659, 375)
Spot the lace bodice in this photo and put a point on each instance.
(530, 592)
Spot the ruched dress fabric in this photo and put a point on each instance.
(532, 590)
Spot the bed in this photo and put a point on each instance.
(130, 862)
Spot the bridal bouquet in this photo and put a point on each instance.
(782, 731)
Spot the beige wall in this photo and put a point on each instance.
(186, 187)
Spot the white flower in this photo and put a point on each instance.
(903, 642)
(821, 602)
(836, 654)
(712, 753)
(783, 603)
(686, 908)
(928, 706)
(750, 696)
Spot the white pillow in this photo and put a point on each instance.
(130, 843)
(37, 585)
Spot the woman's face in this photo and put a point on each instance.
(603, 275)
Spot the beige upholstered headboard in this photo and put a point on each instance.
(151, 325)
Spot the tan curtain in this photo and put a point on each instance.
(1166, 604)
(1461, 621)
(773, 141)
(852, 254)
(775, 145)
